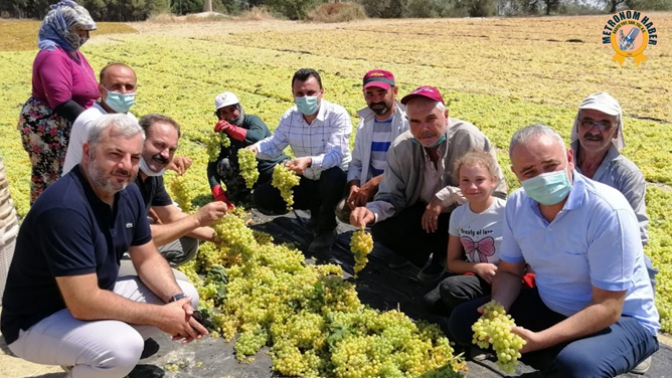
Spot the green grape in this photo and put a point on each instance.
(181, 193)
(494, 328)
(361, 244)
(284, 180)
(248, 167)
(214, 143)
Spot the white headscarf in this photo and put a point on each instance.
(602, 102)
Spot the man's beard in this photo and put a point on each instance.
(381, 110)
(98, 178)
(238, 121)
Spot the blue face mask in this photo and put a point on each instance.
(120, 102)
(548, 188)
(307, 105)
(438, 142)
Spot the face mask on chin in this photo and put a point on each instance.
(438, 142)
(146, 170)
(548, 188)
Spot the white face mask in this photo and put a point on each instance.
(146, 170)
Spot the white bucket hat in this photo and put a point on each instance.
(225, 99)
(602, 102)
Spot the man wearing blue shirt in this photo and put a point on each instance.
(592, 314)
(64, 303)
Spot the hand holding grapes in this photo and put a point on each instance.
(299, 165)
(533, 341)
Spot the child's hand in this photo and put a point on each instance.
(486, 271)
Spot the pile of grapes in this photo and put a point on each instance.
(309, 317)
(494, 328)
(284, 180)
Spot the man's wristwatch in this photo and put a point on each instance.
(176, 297)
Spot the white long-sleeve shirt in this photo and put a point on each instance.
(326, 140)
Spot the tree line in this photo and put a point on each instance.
(138, 10)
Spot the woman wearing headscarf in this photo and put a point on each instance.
(64, 84)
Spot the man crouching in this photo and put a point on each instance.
(64, 303)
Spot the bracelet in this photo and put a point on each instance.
(176, 297)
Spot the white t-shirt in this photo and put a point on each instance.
(480, 233)
(80, 133)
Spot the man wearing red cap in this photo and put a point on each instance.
(383, 120)
(419, 188)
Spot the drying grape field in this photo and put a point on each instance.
(500, 74)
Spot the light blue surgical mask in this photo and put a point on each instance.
(438, 142)
(548, 188)
(119, 102)
(307, 105)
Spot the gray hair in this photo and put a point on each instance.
(125, 124)
(532, 131)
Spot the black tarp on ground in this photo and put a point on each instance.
(377, 285)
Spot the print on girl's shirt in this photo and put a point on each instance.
(479, 251)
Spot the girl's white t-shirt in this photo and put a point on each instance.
(480, 233)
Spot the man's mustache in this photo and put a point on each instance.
(160, 159)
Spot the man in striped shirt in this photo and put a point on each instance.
(318, 133)
(383, 120)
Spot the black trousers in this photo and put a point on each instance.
(403, 234)
(320, 197)
(453, 291)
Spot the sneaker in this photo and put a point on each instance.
(431, 272)
(150, 349)
(398, 262)
(642, 367)
(323, 241)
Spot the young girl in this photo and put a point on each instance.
(475, 234)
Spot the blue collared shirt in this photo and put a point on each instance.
(593, 241)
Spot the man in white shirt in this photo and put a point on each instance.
(117, 87)
(383, 120)
(318, 133)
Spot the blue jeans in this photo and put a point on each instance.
(613, 351)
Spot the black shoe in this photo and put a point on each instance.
(432, 272)
(398, 262)
(323, 241)
(150, 349)
(311, 225)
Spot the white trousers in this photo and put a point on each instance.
(95, 349)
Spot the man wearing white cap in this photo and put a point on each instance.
(597, 139)
(243, 130)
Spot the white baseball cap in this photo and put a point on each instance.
(602, 102)
(225, 99)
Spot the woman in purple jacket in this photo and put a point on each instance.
(64, 84)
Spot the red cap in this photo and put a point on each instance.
(379, 78)
(426, 92)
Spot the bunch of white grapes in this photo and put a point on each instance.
(181, 193)
(248, 167)
(214, 143)
(284, 180)
(361, 244)
(494, 328)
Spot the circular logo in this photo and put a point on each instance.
(629, 39)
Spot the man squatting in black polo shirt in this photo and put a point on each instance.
(64, 303)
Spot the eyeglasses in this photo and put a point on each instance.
(588, 123)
